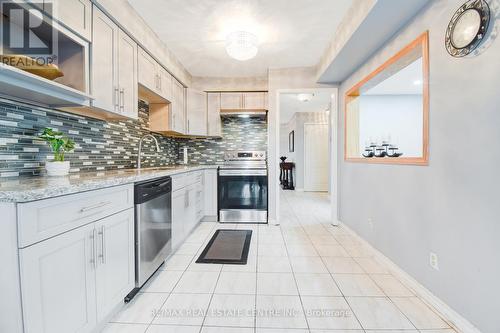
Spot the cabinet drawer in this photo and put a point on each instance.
(186, 179)
(42, 219)
(195, 177)
(179, 181)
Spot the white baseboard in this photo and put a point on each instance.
(454, 319)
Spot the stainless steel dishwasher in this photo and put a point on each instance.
(153, 228)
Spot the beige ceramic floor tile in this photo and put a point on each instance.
(280, 312)
(390, 285)
(173, 329)
(236, 283)
(331, 250)
(342, 265)
(177, 262)
(378, 313)
(231, 310)
(276, 284)
(162, 282)
(419, 313)
(197, 282)
(183, 309)
(316, 285)
(371, 266)
(207, 329)
(124, 328)
(273, 265)
(308, 265)
(141, 309)
(329, 313)
(357, 285)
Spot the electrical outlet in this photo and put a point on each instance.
(433, 260)
(370, 222)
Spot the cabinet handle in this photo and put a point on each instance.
(99, 205)
(94, 249)
(103, 245)
(122, 99)
(159, 81)
(188, 126)
(116, 98)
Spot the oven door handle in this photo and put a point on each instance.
(226, 173)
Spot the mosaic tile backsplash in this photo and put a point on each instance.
(102, 145)
(237, 133)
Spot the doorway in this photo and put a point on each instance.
(307, 131)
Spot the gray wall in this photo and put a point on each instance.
(451, 206)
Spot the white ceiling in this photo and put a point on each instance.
(402, 82)
(291, 33)
(289, 105)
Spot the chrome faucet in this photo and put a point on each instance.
(140, 148)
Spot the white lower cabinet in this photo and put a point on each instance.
(115, 273)
(210, 194)
(178, 216)
(190, 204)
(58, 283)
(191, 220)
(71, 281)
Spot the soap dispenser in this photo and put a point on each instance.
(185, 155)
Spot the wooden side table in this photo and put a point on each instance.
(286, 175)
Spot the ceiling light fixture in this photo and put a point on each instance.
(305, 97)
(417, 82)
(241, 45)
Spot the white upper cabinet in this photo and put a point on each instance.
(75, 14)
(127, 75)
(177, 107)
(231, 101)
(246, 101)
(166, 82)
(254, 101)
(104, 82)
(153, 76)
(114, 68)
(196, 112)
(148, 71)
(214, 125)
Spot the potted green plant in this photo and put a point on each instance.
(60, 145)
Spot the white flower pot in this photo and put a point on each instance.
(57, 168)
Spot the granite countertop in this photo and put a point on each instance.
(25, 189)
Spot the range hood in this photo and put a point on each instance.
(243, 113)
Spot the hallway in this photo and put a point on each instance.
(303, 276)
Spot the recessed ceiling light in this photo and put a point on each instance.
(417, 82)
(241, 45)
(305, 97)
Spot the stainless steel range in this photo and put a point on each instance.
(243, 187)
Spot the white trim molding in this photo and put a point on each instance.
(453, 318)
